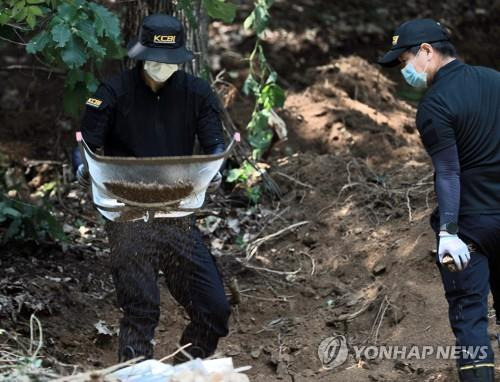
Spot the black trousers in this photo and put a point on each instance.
(174, 246)
(467, 291)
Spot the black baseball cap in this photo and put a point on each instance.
(161, 39)
(412, 33)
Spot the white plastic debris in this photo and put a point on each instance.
(215, 370)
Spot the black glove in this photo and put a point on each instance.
(83, 176)
(215, 183)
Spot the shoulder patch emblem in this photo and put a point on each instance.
(94, 102)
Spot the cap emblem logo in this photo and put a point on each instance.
(395, 40)
(164, 39)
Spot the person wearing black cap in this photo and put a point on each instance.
(458, 120)
(155, 109)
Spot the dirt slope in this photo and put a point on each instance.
(356, 174)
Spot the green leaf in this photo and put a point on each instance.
(36, 1)
(251, 86)
(258, 121)
(273, 77)
(18, 7)
(47, 187)
(261, 18)
(261, 139)
(73, 54)
(4, 18)
(106, 22)
(21, 15)
(31, 21)
(86, 31)
(248, 23)
(260, 135)
(13, 230)
(264, 66)
(272, 95)
(234, 175)
(38, 43)
(61, 35)
(35, 11)
(67, 12)
(13, 213)
(219, 9)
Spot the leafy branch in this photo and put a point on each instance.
(74, 36)
(262, 84)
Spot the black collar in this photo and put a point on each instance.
(447, 69)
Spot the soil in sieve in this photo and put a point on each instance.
(150, 192)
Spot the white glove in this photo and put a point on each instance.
(83, 176)
(452, 246)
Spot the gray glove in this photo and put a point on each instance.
(215, 183)
(83, 176)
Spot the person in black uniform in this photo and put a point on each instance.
(155, 109)
(459, 123)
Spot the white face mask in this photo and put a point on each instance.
(159, 71)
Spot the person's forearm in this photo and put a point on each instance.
(447, 167)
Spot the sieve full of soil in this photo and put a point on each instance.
(150, 192)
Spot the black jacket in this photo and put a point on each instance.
(127, 118)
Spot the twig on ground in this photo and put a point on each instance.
(377, 323)
(351, 316)
(32, 336)
(313, 262)
(284, 273)
(175, 352)
(281, 298)
(293, 179)
(253, 247)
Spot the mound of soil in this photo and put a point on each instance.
(344, 111)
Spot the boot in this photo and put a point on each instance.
(477, 373)
(127, 354)
(130, 352)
